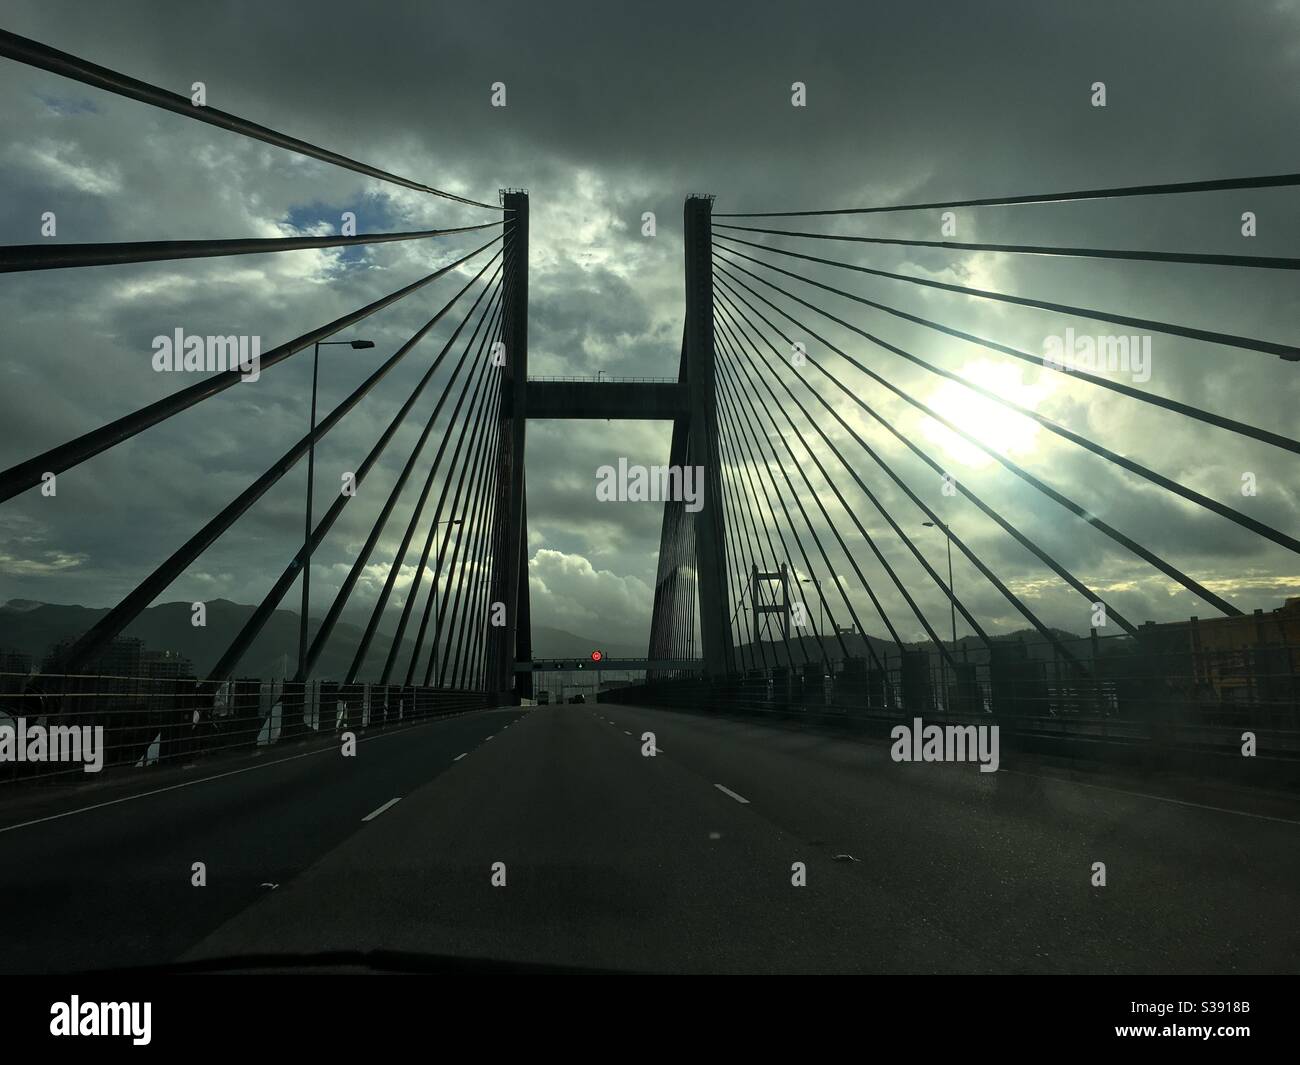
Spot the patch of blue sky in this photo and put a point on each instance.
(62, 105)
(373, 215)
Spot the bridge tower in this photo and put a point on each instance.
(702, 439)
(758, 601)
(512, 641)
(691, 404)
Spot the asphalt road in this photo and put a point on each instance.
(682, 861)
(89, 886)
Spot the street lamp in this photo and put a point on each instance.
(437, 621)
(952, 600)
(311, 477)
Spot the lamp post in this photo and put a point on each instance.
(311, 478)
(437, 621)
(952, 601)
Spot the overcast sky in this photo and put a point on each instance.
(613, 110)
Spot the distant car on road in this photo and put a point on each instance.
(578, 699)
(543, 698)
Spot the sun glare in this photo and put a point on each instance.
(992, 424)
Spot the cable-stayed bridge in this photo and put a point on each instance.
(788, 588)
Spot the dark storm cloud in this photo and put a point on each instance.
(613, 111)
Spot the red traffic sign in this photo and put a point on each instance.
(596, 656)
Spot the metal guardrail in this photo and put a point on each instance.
(148, 722)
(1123, 692)
(1273, 744)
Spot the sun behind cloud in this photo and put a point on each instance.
(1005, 431)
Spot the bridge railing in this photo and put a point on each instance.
(144, 722)
(1194, 698)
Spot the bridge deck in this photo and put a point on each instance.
(639, 400)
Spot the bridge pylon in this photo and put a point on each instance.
(511, 641)
(702, 440)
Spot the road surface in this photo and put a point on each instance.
(549, 836)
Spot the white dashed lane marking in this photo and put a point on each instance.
(728, 791)
(188, 783)
(375, 813)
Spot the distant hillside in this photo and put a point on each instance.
(558, 643)
(36, 627)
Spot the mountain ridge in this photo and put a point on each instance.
(34, 628)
